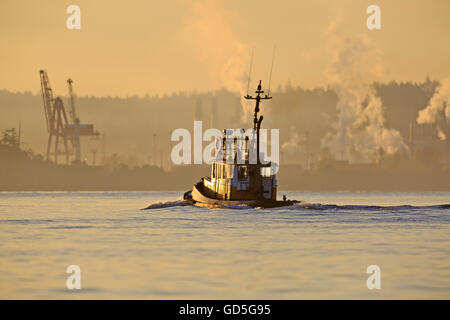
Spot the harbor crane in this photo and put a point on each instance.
(56, 121)
(60, 127)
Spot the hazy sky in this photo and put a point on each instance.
(156, 47)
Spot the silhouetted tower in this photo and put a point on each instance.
(60, 129)
(75, 122)
(56, 120)
(76, 129)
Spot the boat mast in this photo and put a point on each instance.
(257, 121)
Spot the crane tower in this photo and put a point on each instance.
(58, 125)
(56, 121)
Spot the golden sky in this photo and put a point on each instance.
(157, 47)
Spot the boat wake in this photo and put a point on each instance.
(304, 205)
(334, 207)
(166, 204)
(318, 206)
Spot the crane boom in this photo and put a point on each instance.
(47, 97)
(63, 131)
(56, 121)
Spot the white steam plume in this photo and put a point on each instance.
(360, 132)
(437, 108)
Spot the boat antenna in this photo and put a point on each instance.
(250, 71)
(271, 68)
(257, 120)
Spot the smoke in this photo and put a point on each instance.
(441, 134)
(208, 29)
(438, 108)
(359, 134)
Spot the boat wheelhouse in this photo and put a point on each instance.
(239, 174)
(240, 181)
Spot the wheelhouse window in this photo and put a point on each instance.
(267, 172)
(242, 173)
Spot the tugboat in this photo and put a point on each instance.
(233, 183)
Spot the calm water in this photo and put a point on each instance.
(316, 251)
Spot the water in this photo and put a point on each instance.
(317, 251)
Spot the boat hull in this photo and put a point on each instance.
(198, 198)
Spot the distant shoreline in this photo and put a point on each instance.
(22, 171)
